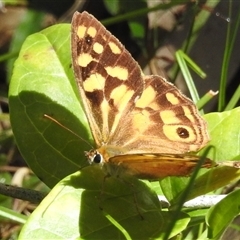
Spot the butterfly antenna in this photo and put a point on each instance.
(68, 129)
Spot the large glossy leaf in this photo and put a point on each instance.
(43, 83)
(91, 206)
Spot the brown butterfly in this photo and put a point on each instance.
(141, 125)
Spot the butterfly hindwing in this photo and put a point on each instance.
(155, 166)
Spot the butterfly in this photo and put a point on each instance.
(142, 125)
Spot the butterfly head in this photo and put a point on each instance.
(94, 157)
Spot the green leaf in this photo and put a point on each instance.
(11, 215)
(30, 23)
(210, 181)
(89, 205)
(43, 83)
(224, 129)
(112, 6)
(220, 215)
(173, 186)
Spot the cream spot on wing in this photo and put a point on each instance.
(84, 59)
(121, 96)
(95, 82)
(81, 31)
(92, 31)
(170, 132)
(188, 113)
(169, 117)
(119, 72)
(147, 97)
(154, 106)
(172, 98)
(97, 47)
(115, 49)
(193, 148)
(105, 110)
(141, 121)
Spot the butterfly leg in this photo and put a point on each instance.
(135, 199)
(100, 196)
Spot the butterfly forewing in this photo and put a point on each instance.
(109, 79)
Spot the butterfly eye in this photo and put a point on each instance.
(182, 132)
(97, 158)
(94, 157)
